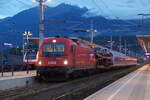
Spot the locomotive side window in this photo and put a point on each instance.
(72, 50)
(51, 49)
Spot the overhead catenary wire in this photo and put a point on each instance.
(146, 16)
(143, 4)
(109, 9)
(115, 17)
(103, 13)
(25, 4)
(13, 5)
(100, 9)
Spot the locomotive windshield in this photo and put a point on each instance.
(53, 49)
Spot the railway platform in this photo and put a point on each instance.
(134, 86)
(11, 80)
(9, 75)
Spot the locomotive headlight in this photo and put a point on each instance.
(40, 62)
(54, 41)
(65, 62)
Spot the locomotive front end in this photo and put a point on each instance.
(53, 58)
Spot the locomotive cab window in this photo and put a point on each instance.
(56, 49)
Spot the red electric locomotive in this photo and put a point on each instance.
(61, 57)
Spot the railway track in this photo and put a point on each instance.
(64, 90)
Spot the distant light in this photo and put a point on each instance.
(25, 43)
(27, 33)
(95, 31)
(92, 31)
(17, 47)
(88, 30)
(145, 58)
(147, 53)
(54, 41)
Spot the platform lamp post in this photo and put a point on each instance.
(111, 42)
(125, 46)
(27, 34)
(92, 31)
(17, 47)
(41, 19)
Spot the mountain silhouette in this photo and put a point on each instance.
(63, 20)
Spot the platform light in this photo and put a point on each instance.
(54, 41)
(27, 33)
(65, 62)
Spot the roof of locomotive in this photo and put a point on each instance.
(116, 53)
(85, 42)
(36, 40)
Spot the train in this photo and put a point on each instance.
(61, 58)
(29, 59)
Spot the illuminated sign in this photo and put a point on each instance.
(8, 45)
